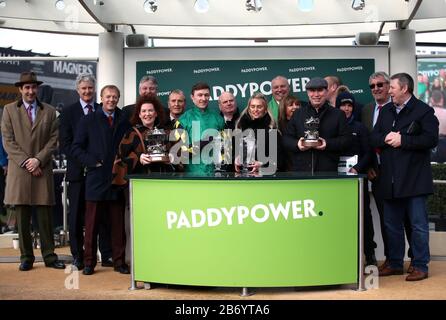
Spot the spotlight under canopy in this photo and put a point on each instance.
(150, 6)
(201, 6)
(305, 5)
(60, 5)
(358, 4)
(254, 5)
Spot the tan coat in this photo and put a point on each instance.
(22, 142)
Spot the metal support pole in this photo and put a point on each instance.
(64, 232)
(65, 204)
(133, 285)
(361, 236)
(246, 292)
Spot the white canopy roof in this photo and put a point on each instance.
(225, 19)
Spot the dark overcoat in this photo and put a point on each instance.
(406, 171)
(69, 120)
(96, 142)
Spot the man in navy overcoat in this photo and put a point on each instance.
(95, 146)
(405, 132)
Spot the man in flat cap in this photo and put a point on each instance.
(29, 129)
(330, 125)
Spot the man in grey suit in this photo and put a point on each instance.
(379, 83)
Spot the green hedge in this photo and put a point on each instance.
(437, 202)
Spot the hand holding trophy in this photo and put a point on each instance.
(156, 145)
(245, 162)
(311, 137)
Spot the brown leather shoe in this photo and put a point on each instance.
(388, 271)
(384, 265)
(410, 269)
(416, 275)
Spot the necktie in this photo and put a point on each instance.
(110, 121)
(90, 108)
(29, 111)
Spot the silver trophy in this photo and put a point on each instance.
(311, 133)
(156, 145)
(219, 156)
(223, 147)
(248, 147)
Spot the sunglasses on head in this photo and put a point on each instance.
(379, 85)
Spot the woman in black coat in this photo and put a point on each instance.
(258, 118)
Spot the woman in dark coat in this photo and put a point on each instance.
(258, 117)
(286, 110)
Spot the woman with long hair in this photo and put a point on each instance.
(258, 117)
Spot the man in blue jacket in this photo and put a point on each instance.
(69, 121)
(405, 132)
(95, 146)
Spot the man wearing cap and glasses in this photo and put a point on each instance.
(334, 134)
(30, 129)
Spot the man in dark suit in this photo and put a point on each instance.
(147, 86)
(95, 146)
(69, 120)
(405, 132)
(379, 83)
(228, 109)
(177, 105)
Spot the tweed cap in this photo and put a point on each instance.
(317, 83)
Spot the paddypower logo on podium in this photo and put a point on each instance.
(259, 213)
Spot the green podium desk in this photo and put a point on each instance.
(283, 230)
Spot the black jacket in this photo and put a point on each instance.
(245, 122)
(332, 127)
(406, 171)
(360, 145)
(128, 111)
(95, 141)
(230, 124)
(69, 120)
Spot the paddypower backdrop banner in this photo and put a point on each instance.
(244, 77)
(245, 233)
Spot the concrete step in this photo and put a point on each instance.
(6, 240)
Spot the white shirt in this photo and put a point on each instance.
(376, 112)
(84, 106)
